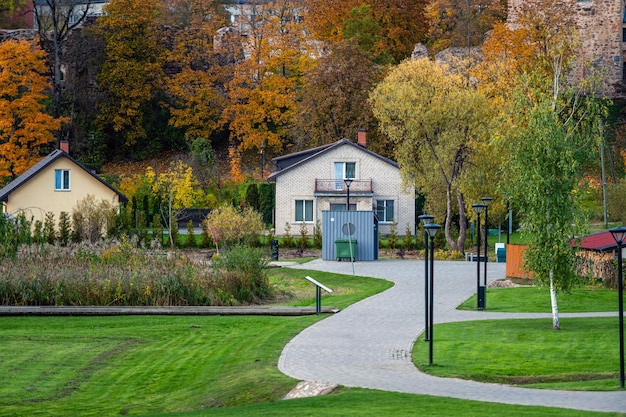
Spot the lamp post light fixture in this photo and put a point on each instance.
(432, 230)
(426, 219)
(348, 182)
(619, 234)
(486, 201)
(480, 291)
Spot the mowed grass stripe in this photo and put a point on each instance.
(51, 373)
(151, 364)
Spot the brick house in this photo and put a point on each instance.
(313, 181)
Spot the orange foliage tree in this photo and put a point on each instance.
(196, 89)
(543, 37)
(132, 72)
(455, 23)
(262, 92)
(25, 129)
(400, 23)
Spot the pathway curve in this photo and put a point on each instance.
(369, 343)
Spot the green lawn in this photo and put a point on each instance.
(357, 402)
(582, 355)
(529, 352)
(537, 300)
(297, 291)
(146, 365)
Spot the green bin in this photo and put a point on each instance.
(345, 249)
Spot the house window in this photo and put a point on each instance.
(304, 210)
(384, 210)
(61, 179)
(344, 170)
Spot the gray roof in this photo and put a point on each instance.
(287, 162)
(39, 166)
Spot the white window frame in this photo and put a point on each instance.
(62, 180)
(383, 205)
(340, 173)
(306, 208)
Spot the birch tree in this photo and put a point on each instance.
(551, 139)
(551, 131)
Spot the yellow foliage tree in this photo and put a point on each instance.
(398, 24)
(178, 189)
(542, 40)
(436, 121)
(25, 129)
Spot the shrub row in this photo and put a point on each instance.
(118, 274)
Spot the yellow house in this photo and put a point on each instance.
(55, 184)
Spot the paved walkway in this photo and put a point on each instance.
(369, 344)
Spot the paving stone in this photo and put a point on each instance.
(369, 344)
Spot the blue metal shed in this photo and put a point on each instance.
(361, 226)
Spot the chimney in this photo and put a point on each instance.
(64, 145)
(362, 138)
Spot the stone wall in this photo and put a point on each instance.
(600, 25)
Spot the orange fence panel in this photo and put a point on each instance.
(514, 261)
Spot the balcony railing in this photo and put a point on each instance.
(339, 186)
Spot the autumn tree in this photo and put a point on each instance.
(464, 23)
(542, 36)
(196, 89)
(83, 57)
(390, 27)
(178, 189)
(8, 6)
(25, 129)
(132, 73)
(333, 100)
(436, 121)
(230, 226)
(262, 92)
(13, 14)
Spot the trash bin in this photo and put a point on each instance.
(501, 254)
(274, 249)
(345, 249)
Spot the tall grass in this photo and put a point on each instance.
(118, 274)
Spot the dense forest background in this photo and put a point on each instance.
(225, 89)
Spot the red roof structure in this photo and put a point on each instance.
(602, 241)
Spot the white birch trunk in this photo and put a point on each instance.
(555, 308)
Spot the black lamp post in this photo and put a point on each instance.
(426, 219)
(619, 234)
(432, 230)
(348, 182)
(480, 291)
(508, 222)
(486, 201)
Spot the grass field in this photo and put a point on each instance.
(537, 300)
(217, 366)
